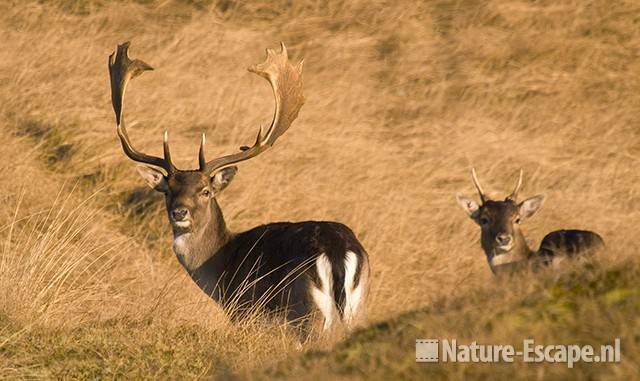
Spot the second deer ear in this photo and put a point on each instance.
(222, 178)
(468, 205)
(154, 178)
(530, 206)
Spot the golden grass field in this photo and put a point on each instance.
(402, 99)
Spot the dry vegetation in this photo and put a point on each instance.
(402, 99)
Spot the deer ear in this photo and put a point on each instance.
(222, 178)
(530, 206)
(154, 178)
(468, 205)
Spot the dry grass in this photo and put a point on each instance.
(402, 99)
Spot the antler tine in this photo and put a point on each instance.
(166, 151)
(514, 195)
(121, 70)
(286, 83)
(483, 197)
(201, 160)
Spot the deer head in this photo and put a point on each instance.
(190, 194)
(501, 237)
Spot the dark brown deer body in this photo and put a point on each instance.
(503, 241)
(293, 268)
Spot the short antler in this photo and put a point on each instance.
(514, 195)
(286, 83)
(121, 70)
(483, 197)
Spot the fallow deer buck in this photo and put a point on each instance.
(503, 242)
(292, 268)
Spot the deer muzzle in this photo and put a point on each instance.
(180, 217)
(504, 243)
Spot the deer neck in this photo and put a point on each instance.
(195, 248)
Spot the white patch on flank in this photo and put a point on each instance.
(323, 297)
(353, 295)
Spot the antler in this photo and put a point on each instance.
(483, 197)
(121, 70)
(286, 83)
(514, 194)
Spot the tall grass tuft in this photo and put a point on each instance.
(53, 267)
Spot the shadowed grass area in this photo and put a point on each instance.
(583, 306)
(111, 349)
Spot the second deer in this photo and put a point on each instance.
(503, 241)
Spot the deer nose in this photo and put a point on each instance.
(503, 239)
(179, 213)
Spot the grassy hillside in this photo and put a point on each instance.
(402, 99)
(586, 306)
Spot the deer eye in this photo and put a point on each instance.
(206, 193)
(484, 221)
(517, 221)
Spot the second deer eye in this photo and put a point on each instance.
(206, 193)
(484, 221)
